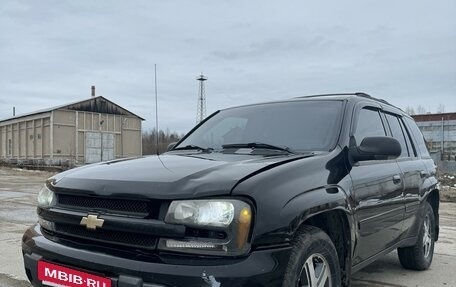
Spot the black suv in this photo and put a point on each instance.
(301, 192)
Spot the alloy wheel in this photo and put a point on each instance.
(427, 236)
(315, 272)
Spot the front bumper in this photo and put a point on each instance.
(260, 268)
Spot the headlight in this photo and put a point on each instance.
(215, 226)
(201, 213)
(46, 197)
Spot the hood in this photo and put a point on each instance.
(169, 176)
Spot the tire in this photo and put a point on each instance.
(419, 256)
(313, 253)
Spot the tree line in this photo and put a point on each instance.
(420, 110)
(149, 140)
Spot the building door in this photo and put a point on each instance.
(107, 151)
(99, 147)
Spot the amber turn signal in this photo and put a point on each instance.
(245, 219)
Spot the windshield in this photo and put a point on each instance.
(297, 125)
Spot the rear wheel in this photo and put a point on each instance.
(419, 256)
(313, 261)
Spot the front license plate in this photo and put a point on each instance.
(59, 276)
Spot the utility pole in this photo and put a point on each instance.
(201, 107)
(157, 134)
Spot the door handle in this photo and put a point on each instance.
(424, 174)
(397, 179)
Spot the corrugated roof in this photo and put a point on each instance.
(84, 105)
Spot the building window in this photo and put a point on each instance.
(10, 147)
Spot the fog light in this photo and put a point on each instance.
(46, 224)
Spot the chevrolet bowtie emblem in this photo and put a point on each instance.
(92, 222)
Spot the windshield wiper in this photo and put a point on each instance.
(254, 145)
(194, 147)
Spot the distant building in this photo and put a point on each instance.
(439, 131)
(87, 131)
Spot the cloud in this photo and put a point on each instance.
(51, 52)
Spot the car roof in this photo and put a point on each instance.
(357, 97)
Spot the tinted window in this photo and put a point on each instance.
(410, 145)
(369, 125)
(299, 125)
(418, 137)
(397, 133)
(228, 130)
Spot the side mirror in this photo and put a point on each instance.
(171, 146)
(376, 148)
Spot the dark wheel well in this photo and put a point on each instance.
(434, 200)
(335, 224)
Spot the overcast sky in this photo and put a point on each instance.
(51, 52)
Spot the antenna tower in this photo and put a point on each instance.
(201, 108)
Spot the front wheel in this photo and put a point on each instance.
(313, 261)
(419, 256)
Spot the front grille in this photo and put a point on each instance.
(112, 205)
(107, 236)
(122, 207)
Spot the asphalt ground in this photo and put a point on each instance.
(18, 190)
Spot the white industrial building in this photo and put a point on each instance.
(87, 131)
(439, 131)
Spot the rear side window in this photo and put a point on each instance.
(418, 137)
(397, 133)
(369, 125)
(412, 150)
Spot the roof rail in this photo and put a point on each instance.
(358, 94)
(364, 95)
(328, 95)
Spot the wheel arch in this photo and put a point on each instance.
(335, 217)
(336, 224)
(433, 198)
